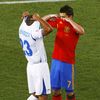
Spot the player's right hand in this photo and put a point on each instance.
(25, 14)
(53, 15)
(35, 16)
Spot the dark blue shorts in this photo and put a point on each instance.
(62, 75)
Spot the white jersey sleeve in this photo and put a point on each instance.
(37, 34)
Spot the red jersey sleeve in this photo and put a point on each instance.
(53, 22)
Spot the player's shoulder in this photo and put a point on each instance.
(53, 19)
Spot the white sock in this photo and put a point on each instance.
(32, 98)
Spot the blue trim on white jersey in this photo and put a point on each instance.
(44, 89)
(33, 38)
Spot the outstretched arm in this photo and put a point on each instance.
(46, 27)
(47, 17)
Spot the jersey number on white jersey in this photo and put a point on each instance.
(26, 47)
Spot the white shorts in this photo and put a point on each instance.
(38, 78)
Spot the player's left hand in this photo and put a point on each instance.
(67, 19)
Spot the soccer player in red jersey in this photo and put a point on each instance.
(63, 58)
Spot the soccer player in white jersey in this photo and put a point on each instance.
(31, 38)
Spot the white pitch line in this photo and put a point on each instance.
(31, 1)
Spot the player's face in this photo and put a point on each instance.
(63, 15)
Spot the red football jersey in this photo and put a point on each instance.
(65, 41)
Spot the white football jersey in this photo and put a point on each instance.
(31, 39)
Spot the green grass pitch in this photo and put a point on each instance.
(13, 82)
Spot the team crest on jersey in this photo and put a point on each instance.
(67, 29)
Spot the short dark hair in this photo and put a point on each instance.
(67, 9)
(29, 20)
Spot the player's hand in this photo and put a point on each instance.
(25, 14)
(50, 17)
(53, 15)
(67, 19)
(35, 16)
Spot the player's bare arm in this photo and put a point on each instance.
(47, 17)
(79, 29)
(47, 28)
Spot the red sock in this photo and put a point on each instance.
(71, 97)
(57, 97)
